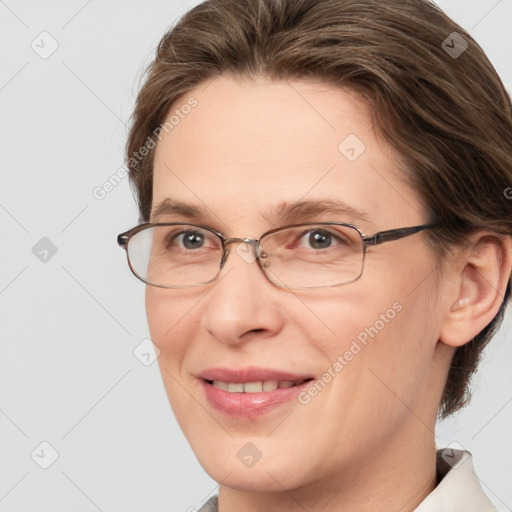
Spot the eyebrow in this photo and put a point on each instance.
(283, 213)
(304, 211)
(168, 207)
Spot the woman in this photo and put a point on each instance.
(326, 243)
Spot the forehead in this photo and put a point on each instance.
(249, 145)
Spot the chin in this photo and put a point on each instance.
(256, 479)
(238, 464)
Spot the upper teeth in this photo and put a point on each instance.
(254, 387)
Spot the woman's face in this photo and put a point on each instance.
(244, 154)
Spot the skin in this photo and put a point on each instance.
(248, 146)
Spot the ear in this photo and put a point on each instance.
(482, 272)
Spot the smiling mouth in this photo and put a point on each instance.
(255, 387)
(252, 398)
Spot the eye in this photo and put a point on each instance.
(191, 239)
(319, 239)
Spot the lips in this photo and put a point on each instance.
(250, 392)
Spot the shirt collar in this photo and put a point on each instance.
(459, 488)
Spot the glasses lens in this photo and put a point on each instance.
(313, 256)
(175, 256)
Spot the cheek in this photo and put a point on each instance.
(159, 312)
(171, 321)
(344, 322)
(379, 347)
(396, 364)
(172, 324)
(402, 329)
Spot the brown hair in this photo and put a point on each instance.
(441, 105)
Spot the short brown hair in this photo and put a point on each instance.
(446, 112)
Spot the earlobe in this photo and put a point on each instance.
(483, 272)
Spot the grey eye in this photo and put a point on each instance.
(319, 239)
(192, 240)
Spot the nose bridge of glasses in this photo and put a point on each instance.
(246, 240)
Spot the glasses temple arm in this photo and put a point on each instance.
(393, 234)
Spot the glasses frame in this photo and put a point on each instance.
(378, 238)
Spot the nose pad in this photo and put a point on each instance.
(250, 250)
(247, 250)
(243, 249)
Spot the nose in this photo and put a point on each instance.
(242, 303)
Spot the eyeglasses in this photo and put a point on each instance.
(300, 256)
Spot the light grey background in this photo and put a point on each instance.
(70, 324)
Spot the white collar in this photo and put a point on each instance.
(459, 489)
